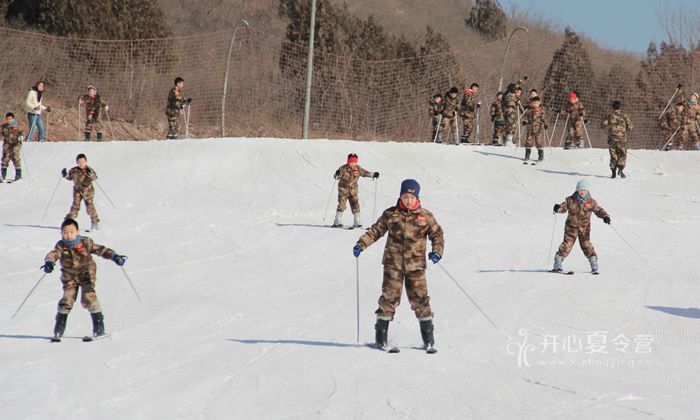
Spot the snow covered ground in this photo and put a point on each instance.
(249, 304)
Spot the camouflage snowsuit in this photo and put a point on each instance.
(82, 191)
(670, 122)
(404, 257)
(689, 130)
(534, 120)
(467, 110)
(347, 187)
(176, 100)
(448, 110)
(617, 124)
(11, 146)
(434, 112)
(78, 270)
(93, 109)
(499, 121)
(578, 224)
(511, 105)
(576, 114)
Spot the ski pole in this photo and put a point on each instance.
(43, 216)
(563, 133)
(437, 130)
(103, 192)
(130, 282)
(30, 293)
(467, 295)
(585, 130)
(554, 128)
(478, 142)
(357, 290)
(187, 123)
(328, 203)
(109, 122)
(670, 138)
(628, 244)
(551, 242)
(78, 138)
(678, 87)
(374, 207)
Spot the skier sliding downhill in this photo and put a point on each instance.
(78, 269)
(347, 176)
(579, 205)
(407, 225)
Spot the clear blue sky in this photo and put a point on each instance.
(618, 24)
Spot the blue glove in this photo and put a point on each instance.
(119, 259)
(434, 257)
(48, 266)
(357, 250)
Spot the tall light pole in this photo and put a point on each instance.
(505, 55)
(309, 72)
(228, 61)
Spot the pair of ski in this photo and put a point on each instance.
(570, 273)
(347, 227)
(428, 349)
(85, 339)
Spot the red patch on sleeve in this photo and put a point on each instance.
(420, 217)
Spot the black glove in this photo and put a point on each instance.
(524, 122)
(48, 109)
(376, 175)
(48, 266)
(337, 174)
(64, 172)
(188, 100)
(525, 78)
(546, 126)
(586, 121)
(680, 85)
(478, 105)
(556, 208)
(88, 170)
(606, 220)
(492, 119)
(119, 259)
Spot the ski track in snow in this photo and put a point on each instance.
(249, 311)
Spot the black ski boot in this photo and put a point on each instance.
(18, 174)
(622, 174)
(426, 332)
(382, 333)
(614, 173)
(98, 326)
(540, 155)
(527, 155)
(87, 135)
(99, 136)
(464, 139)
(60, 327)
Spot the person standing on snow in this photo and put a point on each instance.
(579, 206)
(348, 190)
(407, 225)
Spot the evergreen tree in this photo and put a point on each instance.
(488, 19)
(570, 70)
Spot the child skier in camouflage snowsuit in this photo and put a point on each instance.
(82, 177)
(347, 176)
(176, 103)
(407, 225)
(467, 110)
(536, 126)
(671, 123)
(93, 108)
(435, 116)
(579, 206)
(448, 112)
(617, 124)
(576, 118)
(499, 120)
(12, 137)
(78, 270)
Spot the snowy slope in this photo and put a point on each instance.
(249, 308)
